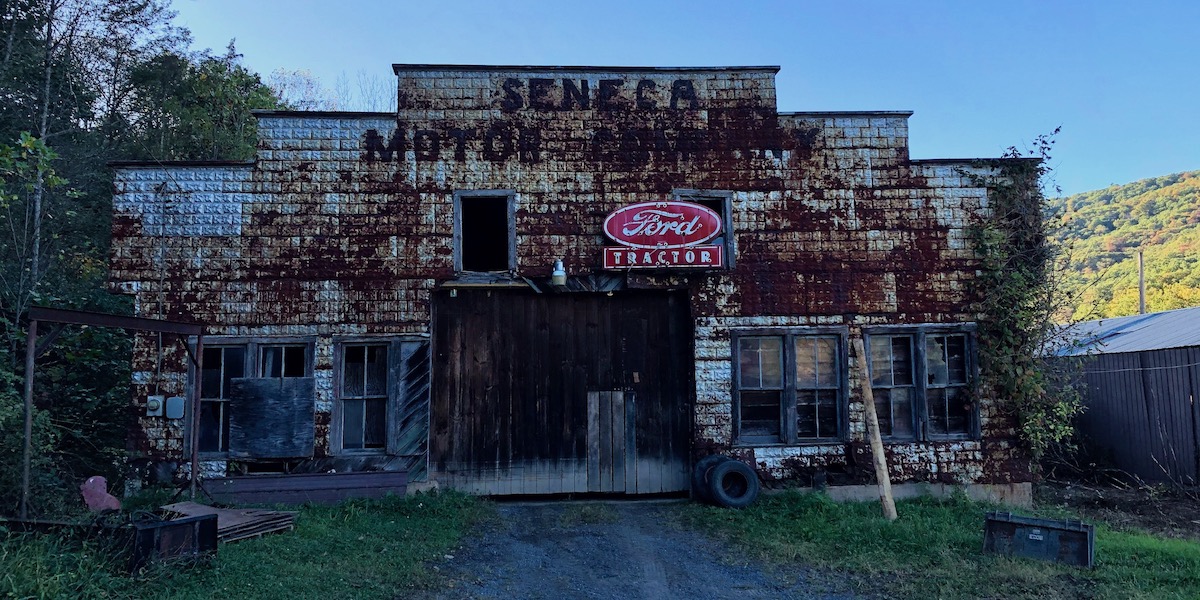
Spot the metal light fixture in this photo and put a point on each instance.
(558, 277)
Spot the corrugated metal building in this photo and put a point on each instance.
(1142, 376)
(568, 279)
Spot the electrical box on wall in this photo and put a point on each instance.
(154, 406)
(175, 406)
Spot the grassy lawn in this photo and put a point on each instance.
(359, 549)
(935, 550)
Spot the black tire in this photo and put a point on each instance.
(700, 474)
(732, 484)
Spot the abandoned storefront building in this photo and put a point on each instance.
(538, 280)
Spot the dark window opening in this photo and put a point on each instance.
(364, 396)
(485, 234)
(716, 204)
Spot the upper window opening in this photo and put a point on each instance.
(485, 233)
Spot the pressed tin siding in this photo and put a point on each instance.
(342, 226)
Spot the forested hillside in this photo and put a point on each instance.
(1103, 231)
(82, 83)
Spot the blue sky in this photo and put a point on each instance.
(1121, 78)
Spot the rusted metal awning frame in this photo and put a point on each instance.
(61, 318)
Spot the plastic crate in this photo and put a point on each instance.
(1068, 542)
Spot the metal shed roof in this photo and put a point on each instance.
(1154, 331)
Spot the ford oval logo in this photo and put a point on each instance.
(662, 225)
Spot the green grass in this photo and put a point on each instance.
(358, 549)
(935, 550)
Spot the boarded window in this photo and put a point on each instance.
(922, 384)
(272, 417)
(226, 361)
(364, 396)
(485, 233)
(789, 387)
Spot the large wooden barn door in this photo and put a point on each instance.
(561, 393)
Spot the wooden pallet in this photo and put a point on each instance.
(237, 523)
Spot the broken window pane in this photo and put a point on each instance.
(760, 413)
(282, 361)
(354, 371)
(935, 360)
(376, 371)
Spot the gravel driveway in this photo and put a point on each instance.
(603, 550)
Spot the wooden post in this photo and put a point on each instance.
(27, 453)
(194, 433)
(877, 456)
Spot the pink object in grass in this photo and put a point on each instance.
(95, 494)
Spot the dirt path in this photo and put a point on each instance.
(609, 550)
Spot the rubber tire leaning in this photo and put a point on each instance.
(732, 484)
(700, 476)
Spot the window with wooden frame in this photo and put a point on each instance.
(221, 364)
(789, 386)
(922, 380)
(364, 396)
(227, 359)
(485, 239)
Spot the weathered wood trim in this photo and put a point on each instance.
(321, 488)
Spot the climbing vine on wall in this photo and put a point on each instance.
(1017, 298)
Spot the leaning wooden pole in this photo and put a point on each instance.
(27, 452)
(877, 456)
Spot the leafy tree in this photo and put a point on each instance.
(82, 83)
(196, 108)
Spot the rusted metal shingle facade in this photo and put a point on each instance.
(342, 226)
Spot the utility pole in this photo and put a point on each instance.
(1141, 285)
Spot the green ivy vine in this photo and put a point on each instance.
(1017, 300)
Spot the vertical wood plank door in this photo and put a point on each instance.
(561, 393)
